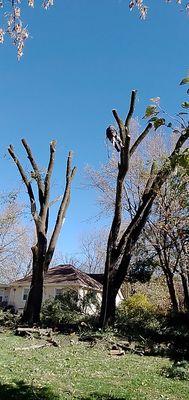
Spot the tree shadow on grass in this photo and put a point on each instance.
(21, 391)
(97, 396)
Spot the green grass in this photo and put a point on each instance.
(78, 371)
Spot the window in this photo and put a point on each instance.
(25, 294)
(58, 292)
(1, 295)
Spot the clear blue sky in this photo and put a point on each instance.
(83, 59)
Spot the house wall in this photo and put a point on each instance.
(16, 296)
(6, 294)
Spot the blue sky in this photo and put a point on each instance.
(83, 59)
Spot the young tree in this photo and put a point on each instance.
(43, 250)
(121, 244)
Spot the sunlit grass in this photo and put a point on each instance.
(79, 371)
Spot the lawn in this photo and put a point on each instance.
(79, 371)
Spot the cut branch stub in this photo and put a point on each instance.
(131, 109)
(49, 171)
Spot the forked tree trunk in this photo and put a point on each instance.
(42, 253)
(120, 246)
(112, 284)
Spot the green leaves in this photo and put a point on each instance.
(183, 160)
(185, 81)
(150, 111)
(185, 104)
(159, 122)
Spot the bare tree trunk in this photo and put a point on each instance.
(108, 308)
(185, 285)
(32, 308)
(112, 284)
(172, 292)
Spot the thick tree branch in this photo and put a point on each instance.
(123, 167)
(150, 180)
(26, 182)
(70, 173)
(49, 172)
(37, 173)
(131, 109)
(120, 125)
(140, 138)
(147, 200)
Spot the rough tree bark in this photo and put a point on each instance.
(42, 251)
(120, 246)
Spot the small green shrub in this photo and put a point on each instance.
(8, 319)
(137, 305)
(137, 316)
(179, 370)
(68, 308)
(64, 309)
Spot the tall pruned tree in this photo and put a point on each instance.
(44, 249)
(121, 244)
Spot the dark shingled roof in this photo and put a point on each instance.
(64, 275)
(97, 277)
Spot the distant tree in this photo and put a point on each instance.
(121, 245)
(65, 259)
(93, 251)
(15, 255)
(43, 250)
(168, 233)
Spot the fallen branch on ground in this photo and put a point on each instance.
(29, 331)
(48, 343)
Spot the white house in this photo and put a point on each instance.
(56, 280)
(4, 294)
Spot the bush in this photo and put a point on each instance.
(137, 305)
(69, 309)
(179, 370)
(137, 316)
(8, 319)
(64, 309)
